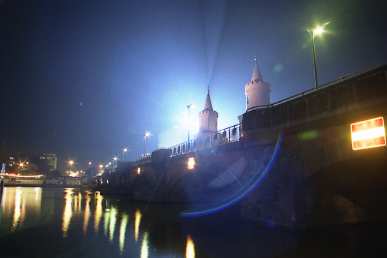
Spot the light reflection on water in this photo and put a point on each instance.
(68, 211)
(72, 213)
(18, 201)
(190, 250)
(145, 246)
(137, 220)
(71, 222)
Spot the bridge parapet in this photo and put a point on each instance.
(224, 136)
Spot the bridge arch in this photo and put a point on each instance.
(352, 190)
(142, 180)
(317, 179)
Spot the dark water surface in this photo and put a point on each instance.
(72, 222)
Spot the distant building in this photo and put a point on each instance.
(51, 159)
(11, 161)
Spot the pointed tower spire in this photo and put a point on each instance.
(208, 118)
(257, 76)
(208, 105)
(257, 90)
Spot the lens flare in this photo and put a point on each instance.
(232, 185)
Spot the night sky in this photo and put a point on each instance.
(84, 79)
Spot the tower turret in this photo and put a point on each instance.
(208, 118)
(257, 91)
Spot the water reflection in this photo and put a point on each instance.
(55, 222)
(190, 250)
(21, 203)
(87, 214)
(145, 246)
(67, 213)
(113, 220)
(137, 220)
(98, 211)
(124, 223)
(60, 221)
(17, 213)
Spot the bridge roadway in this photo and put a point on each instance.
(293, 165)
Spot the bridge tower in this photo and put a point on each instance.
(257, 91)
(208, 118)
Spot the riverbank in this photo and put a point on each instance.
(47, 183)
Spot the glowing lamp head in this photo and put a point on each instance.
(71, 162)
(138, 170)
(318, 30)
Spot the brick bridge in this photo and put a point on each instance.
(293, 165)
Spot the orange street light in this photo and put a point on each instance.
(71, 163)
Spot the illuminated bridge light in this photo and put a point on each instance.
(191, 163)
(138, 170)
(368, 134)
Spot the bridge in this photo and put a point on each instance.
(291, 165)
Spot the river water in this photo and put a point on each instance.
(75, 222)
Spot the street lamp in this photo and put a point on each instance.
(115, 159)
(123, 153)
(318, 30)
(147, 134)
(189, 116)
(71, 163)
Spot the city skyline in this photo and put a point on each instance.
(85, 80)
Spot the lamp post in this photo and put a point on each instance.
(21, 165)
(145, 135)
(318, 31)
(189, 116)
(115, 159)
(71, 163)
(123, 153)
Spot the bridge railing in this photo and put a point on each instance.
(224, 136)
(145, 159)
(346, 77)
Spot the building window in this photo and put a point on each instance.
(248, 99)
